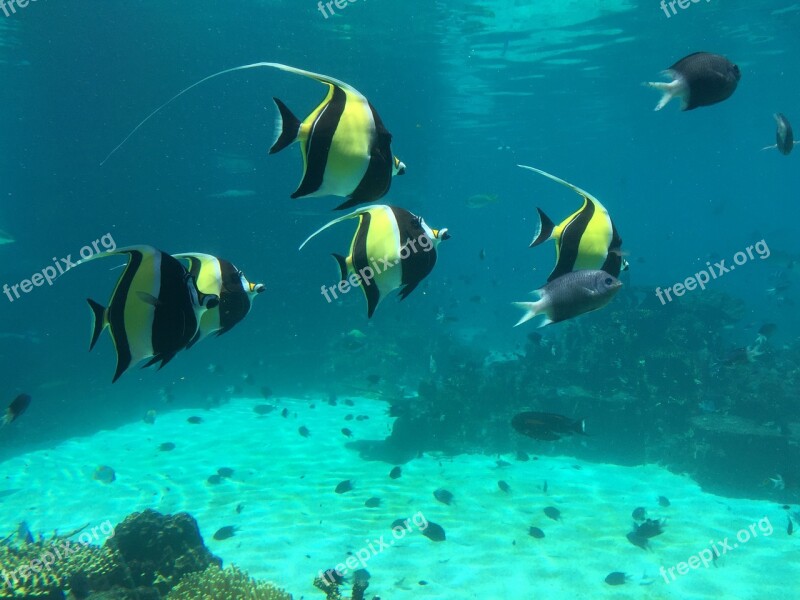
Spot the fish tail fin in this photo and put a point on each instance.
(98, 321)
(342, 262)
(669, 90)
(545, 230)
(287, 128)
(532, 309)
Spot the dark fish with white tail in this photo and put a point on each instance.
(571, 295)
(18, 406)
(784, 137)
(700, 79)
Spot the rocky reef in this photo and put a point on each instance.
(149, 556)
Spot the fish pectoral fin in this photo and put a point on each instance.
(148, 298)
(287, 128)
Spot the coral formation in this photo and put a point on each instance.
(229, 583)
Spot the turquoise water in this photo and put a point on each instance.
(469, 90)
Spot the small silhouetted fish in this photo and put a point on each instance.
(396, 473)
(239, 508)
(663, 501)
(266, 392)
(501, 463)
(195, 420)
(285, 413)
(344, 486)
(263, 409)
(303, 430)
(700, 79)
(443, 496)
(535, 532)
(18, 406)
(522, 456)
(784, 135)
(790, 527)
(373, 503)
(399, 523)
(214, 480)
(504, 486)
(362, 418)
(639, 513)
(149, 417)
(767, 329)
(374, 379)
(224, 533)
(553, 513)
(482, 254)
(422, 582)
(24, 534)
(104, 474)
(637, 540)
(348, 417)
(167, 447)
(616, 578)
(434, 532)
(544, 487)
(346, 432)
(650, 528)
(546, 426)
(225, 472)
(349, 402)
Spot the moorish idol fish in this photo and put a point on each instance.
(392, 249)
(218, 277)
(154, 311)
(587, 239)
(345, 146)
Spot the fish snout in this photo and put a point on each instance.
(441, 234)
(399, 166)
(257, 288)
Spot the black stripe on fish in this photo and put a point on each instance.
(417, 263)
(570, 240)
(174, 319)
(378, 178)
(319, 143)
(360, 260)
(234, 301)
(116, 314)
(613, 263)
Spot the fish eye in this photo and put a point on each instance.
(608, 280)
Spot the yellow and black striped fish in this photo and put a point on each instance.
(345, 146)
(154, 311)
(219, 277)
(391, 249)
(587, 239)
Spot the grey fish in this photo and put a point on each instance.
(504, 486)
(553, 513)
(783, 136)
(223, 533)
(616, 578)
(225, 472)
(167, 447)
(434, 532)
(344, 486)
(535, 532)
(396, 473)
(571, 295)
(373, 503)
(700, 79)
(443, 496)
(663, 501)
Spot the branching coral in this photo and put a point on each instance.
(224, 584)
